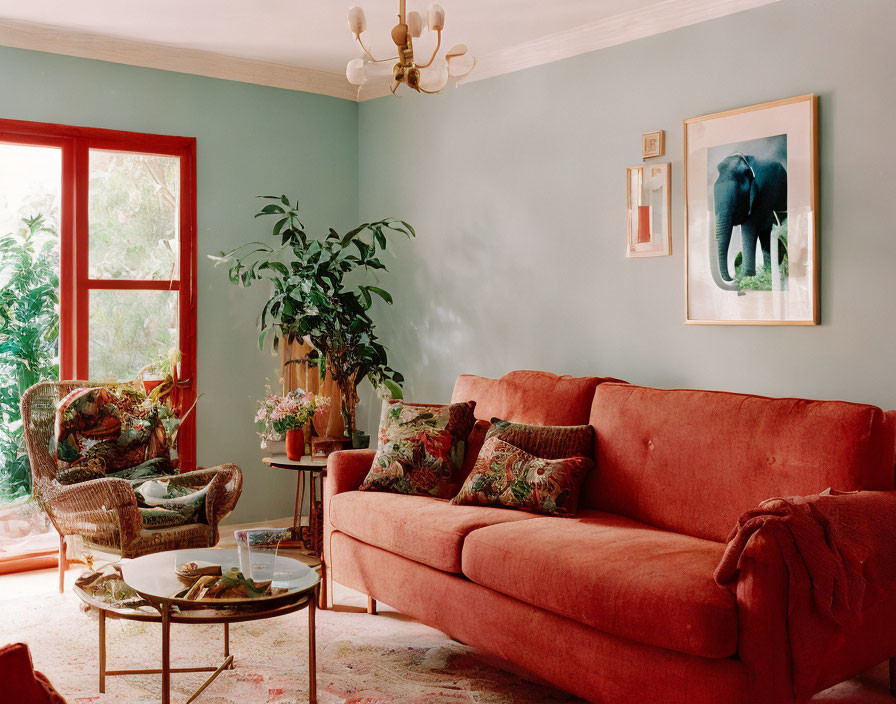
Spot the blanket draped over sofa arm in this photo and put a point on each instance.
(839, 550)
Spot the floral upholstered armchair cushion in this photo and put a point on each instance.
(506, 476)
(420, 449)
(112, 432)
(103, 430)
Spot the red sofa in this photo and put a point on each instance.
(618, 604)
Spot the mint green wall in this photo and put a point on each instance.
(250, 140)
(516, 186)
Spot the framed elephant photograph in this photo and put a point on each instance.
(751, 183)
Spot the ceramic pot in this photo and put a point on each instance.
(295, 444)
(150, 384)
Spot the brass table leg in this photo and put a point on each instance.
(296, 514)
(312, 651)
(63, 563)
(102, 651)
(227, 643)
(166, 653)
(371, 605)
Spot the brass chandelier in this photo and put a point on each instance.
(429, 77)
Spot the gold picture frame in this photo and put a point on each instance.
(648, 190)
(773, 148)
(653, 144)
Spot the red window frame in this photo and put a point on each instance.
(75, 284)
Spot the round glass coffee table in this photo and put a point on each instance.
(154, 579)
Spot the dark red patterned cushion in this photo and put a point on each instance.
(548, 441)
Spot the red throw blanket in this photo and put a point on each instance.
(840, 552)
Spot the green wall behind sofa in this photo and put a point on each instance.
(250, 140)
(516, 186)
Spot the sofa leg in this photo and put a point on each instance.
(63, 563)
(371, 605)
(893, 677)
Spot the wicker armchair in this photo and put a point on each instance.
(103, 512)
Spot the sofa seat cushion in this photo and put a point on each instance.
(615, 574)
(420, 528)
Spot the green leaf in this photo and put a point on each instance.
(394, 388)
(385, 295)
(261, 339)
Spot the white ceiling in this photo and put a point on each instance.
(309, 33)
(313, 34)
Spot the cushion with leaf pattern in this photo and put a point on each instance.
(420, 449)
(506, 476)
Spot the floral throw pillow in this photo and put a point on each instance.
(506, 476)
(420, 449)
(100, 430)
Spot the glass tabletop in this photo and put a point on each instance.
(154, 577)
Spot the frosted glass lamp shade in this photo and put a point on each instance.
(460, 61)
(434, 78)
(436, 18)
(357, 21)
(356, 72)
(415, 24)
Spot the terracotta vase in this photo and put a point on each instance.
(295, 444)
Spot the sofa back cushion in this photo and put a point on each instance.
(538, 398)
(694, 461)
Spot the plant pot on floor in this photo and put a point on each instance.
(295, 444)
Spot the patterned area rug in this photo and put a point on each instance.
(362, 659)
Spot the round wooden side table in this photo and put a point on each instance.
(310, 472)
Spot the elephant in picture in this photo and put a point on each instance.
(750, 192)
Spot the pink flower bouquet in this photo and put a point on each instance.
(277, 414)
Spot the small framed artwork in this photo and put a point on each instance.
(653, 144)
(648, 225)
(750, 184)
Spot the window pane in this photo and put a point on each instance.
(30, 190)
(133, 212)
(128, 330)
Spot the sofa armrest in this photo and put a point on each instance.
(346, 470)
(814, 582)
(762, 600)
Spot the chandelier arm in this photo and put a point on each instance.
(367, 51)
(433, 57)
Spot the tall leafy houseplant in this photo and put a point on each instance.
(29, 331)
(319, 295)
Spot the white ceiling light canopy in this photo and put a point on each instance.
(429, 77)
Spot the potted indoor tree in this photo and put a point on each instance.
(320, 296)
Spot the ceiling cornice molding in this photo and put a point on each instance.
(612, 31)
(618, 29)
(59, 40)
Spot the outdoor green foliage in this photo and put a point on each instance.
(763, 279)
(312, 298)
(29, 332)
(132, 209)
(133, 235)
